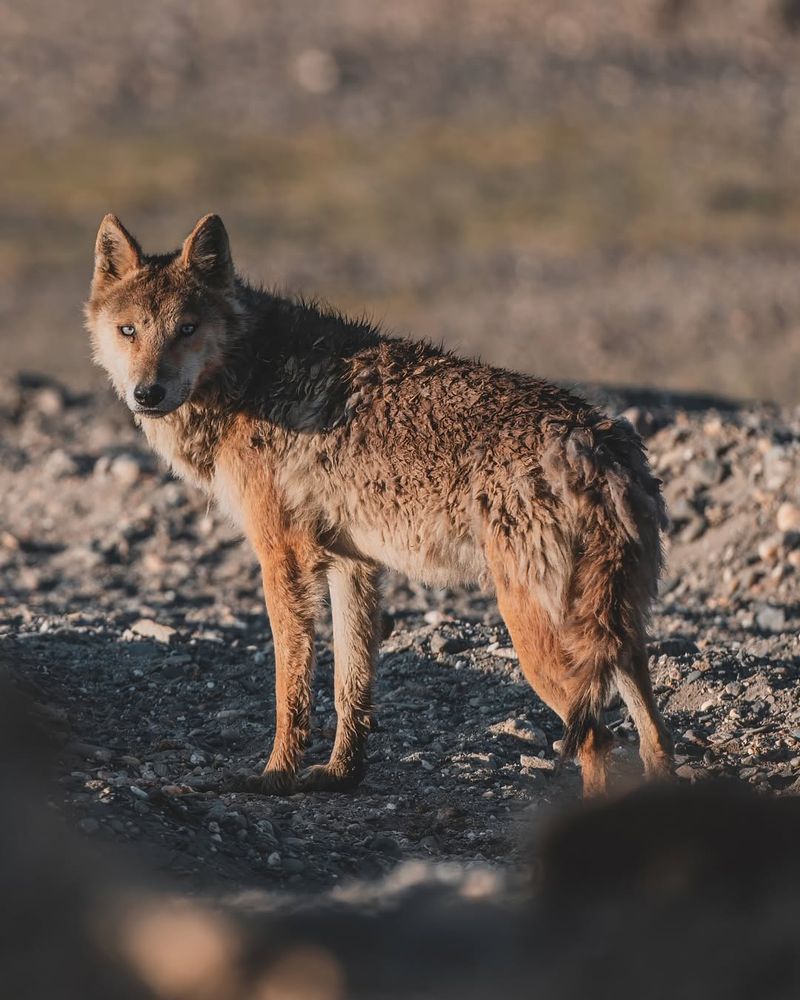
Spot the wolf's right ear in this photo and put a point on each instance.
(207, 252)
(116, 253)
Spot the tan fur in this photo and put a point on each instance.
(338, 450)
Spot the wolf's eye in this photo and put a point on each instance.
(187, 329)
(127, 330)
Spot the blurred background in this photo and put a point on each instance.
(602, 192)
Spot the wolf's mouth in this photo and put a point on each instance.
(143, 411)
(156, 411)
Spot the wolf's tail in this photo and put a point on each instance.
(618, 516)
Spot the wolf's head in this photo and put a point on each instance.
(160, 324)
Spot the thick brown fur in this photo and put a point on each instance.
(338, 450)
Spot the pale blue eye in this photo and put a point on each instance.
(187, 329)
(127, 330)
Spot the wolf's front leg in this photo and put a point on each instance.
(355, 608)
(291, 577)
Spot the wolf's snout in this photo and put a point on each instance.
(149, 395)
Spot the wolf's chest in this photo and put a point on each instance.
(170, 443)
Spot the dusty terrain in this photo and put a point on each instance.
(134, 617)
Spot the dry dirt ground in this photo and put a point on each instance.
(133, 617)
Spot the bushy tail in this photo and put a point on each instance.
(618, 514)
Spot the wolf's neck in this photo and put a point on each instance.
(189, 439)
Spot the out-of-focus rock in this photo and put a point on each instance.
(777, 467)
(126, 469)
(60, 464)
(769, 548)
(771, 619)
(788, 518)
(49, 401)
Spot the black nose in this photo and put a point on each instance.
(149, 395)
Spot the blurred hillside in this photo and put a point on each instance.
(597, 192)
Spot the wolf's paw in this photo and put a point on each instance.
(324, 778)
(661, 769)
(269, 783)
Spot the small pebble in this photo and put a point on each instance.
(146, 628)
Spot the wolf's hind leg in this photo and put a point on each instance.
(547, 669)
(636, 689)
(355, 609)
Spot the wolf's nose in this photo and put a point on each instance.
(149, 395)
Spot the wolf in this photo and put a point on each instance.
(338, 450)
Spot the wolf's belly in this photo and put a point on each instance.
(438, 556)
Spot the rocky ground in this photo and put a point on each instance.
(132, 616)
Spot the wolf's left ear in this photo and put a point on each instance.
(116, 253)
(207, 252)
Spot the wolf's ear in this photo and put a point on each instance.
(207, 252)
(116, 253)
